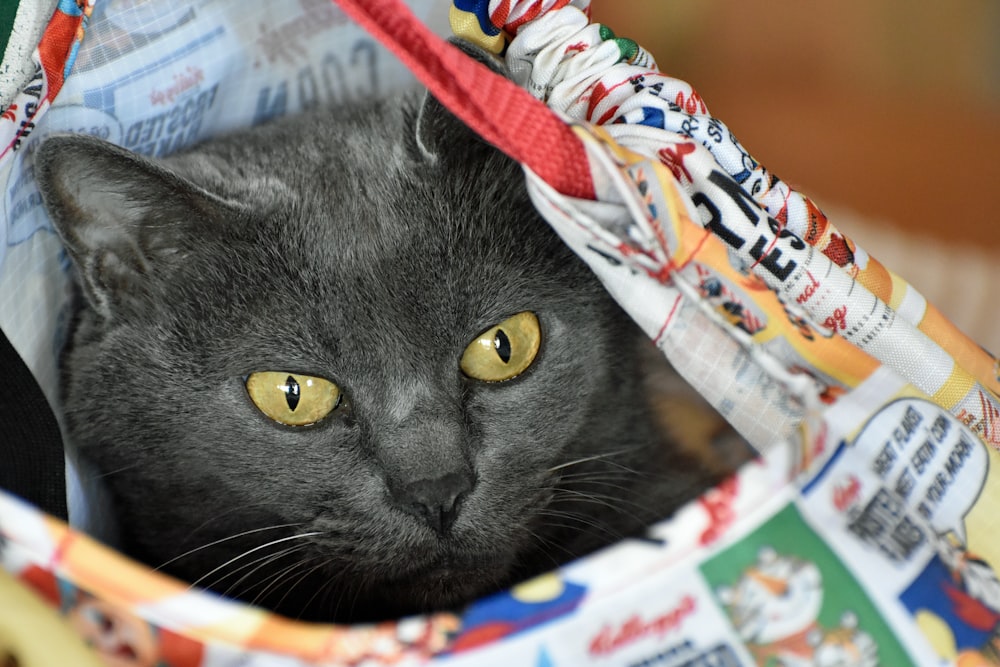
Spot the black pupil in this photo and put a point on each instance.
(292, 393)
(502, 344)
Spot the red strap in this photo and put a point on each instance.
(495, 107)
(55, 47)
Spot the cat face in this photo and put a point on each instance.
(339, 367)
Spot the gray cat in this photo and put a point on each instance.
(338, 366)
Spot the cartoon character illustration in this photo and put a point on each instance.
(727, 302)
(776, 599)
(844, 646)
(391, 643)
(956, 603)
(830, 389)
(775, 606)
(972, 576)
(801, 324)
(840, 250)
(122, 639)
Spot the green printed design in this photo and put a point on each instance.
(628, 48)
(787, 594)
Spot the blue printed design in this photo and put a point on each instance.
(504, 614)
(652, 117)
(481, 10)
(70, 8)
(543, 659)
(937, 590)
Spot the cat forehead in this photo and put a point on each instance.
(406, 279)
(344, 219)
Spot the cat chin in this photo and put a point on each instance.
(446, 581)
(434, 590)
(439, 589)
(440, 578)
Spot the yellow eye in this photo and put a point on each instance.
(505, 351)
(292, 399)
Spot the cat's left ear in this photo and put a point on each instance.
(123, 218)
(436, 128)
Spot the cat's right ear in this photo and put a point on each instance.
(121, 217)
(437, 130)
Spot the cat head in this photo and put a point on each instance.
(349, 337)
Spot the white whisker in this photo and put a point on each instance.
(581, 518)
(548, 544)
(109, 473)
(587, 459)
(261, 562)
(224, 539)
(603, 500)
(276, 578)
(247, 553)
(323, 563)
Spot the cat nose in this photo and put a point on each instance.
(435, 501)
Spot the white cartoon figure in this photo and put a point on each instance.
(846, 646)
(775, 599)
(774, 606)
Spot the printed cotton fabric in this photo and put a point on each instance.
(863, 535)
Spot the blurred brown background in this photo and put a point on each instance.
(889, 108)
(886, 113)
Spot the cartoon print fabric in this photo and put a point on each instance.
(861, 536)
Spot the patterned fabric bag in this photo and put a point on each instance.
(862, 535)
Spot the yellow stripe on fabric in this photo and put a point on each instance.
(955, 388)
(466, 25)
(966, 353)
(899, 287)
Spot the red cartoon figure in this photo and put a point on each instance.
(125, 640)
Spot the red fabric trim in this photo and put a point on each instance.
(495, 107)
(54, 48)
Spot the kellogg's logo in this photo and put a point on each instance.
(846, 493)
(609, 639)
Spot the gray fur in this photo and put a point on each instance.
(332, 244)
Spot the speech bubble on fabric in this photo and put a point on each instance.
(926, 456)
